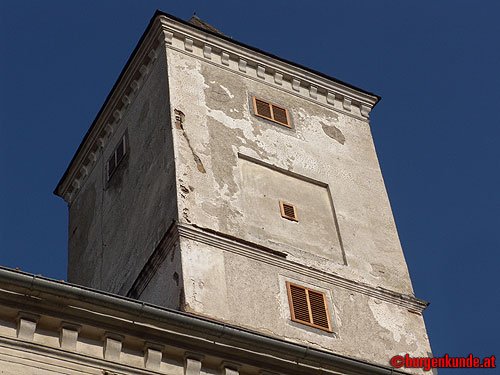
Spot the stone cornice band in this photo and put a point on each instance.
(261, 254)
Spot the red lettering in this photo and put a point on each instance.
(469, 360)
(427, 363)
(447, 361)
(407, 361)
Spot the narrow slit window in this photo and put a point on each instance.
(288, 211)
(270, 111)
(308, 307)
(116, 157)
(120, 150)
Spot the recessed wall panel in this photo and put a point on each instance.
(314, 231)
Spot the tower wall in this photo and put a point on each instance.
(115, 224)
(248, 289)
(233, 168)
(194, 218)
(325, 164)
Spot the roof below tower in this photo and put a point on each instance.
(32, 298)
(196, 21)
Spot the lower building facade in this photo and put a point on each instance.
(51, 327)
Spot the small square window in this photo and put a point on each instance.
(270, 111)
(308, 307)
(288, 211)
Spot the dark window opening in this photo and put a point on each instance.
(116, 157)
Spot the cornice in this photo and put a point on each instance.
(255, 253)
(272, 70)
(266, 255)
(176, 34)
(83, 361)
(112, 112)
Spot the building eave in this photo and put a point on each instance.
(57, 191)
(231, 40)
(57, 293)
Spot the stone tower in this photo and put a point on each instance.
(226, 182)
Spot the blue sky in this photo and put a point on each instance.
(437, 128)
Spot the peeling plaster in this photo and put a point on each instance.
(227, 91)
(179, 121)
(333, 132)
(392, 320)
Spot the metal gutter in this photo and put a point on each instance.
(195, 324)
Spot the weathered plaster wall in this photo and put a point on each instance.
(84, 232)
(264, 188)
(166, 287)
(324, 145)
(235, 288)
(115, 225)
(232, 169)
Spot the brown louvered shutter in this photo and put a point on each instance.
(300, 310)
(263, 108)
(272, 112)
(308, 307)
(288, 211)
(318, 309)
(279, 115)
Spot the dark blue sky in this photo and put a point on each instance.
(436, 65)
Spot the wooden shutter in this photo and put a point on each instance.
(280, 115)
(269, 111)
(308, 307)
(318, 309)
(263, 108)
(300, 309)
(288, 211)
